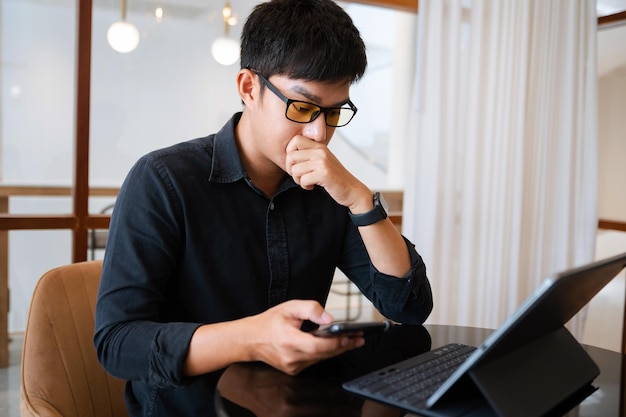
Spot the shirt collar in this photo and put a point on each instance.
(226, 164)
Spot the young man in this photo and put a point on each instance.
(223, 248)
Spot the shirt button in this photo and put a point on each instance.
(272, 205)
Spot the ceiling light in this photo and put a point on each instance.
(158, 14)
(225, 50)
(123, 36)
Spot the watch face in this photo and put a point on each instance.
(383, 202)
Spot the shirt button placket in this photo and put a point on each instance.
(277, 255)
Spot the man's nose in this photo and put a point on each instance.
(316, 129)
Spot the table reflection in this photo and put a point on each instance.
(255, 389)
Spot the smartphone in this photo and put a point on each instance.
(352, 328)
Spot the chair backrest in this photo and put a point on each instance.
(61, 375)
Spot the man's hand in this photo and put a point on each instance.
(284, 346)
(273, 337)
(311, 163)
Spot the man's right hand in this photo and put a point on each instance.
(273, 337)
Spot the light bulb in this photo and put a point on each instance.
(158, 14)
(225, 50)
(227, 12)
(123, 37)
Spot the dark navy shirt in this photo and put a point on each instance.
(192, 241)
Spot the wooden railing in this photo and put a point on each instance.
(395, 201)
(611, 225)
(612, 19)
(10, 221)
(101, 221)
(404, 5)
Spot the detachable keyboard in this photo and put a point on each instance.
(409, 383)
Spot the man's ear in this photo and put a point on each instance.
(247, 86)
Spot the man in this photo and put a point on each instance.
(222, 249)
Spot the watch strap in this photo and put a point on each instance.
(375, 215)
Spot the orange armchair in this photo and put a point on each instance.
(61, 376)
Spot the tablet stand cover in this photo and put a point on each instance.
(538, 377)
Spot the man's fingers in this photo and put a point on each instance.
(308, 310)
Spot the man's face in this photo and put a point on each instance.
(273, 130)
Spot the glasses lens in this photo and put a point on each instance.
(338, 117)
(303, 112)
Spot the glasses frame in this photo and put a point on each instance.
(324, 110)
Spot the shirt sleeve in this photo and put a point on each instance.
(132, 340)
(405, 299)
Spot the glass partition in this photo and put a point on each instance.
(168, 89)
(37, 84)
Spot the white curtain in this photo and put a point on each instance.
(502, 187)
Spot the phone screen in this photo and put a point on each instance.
(356, 328)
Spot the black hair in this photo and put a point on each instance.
(312, 40)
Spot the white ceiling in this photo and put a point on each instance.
(611, 40)
(193, 8)
(607, 7)
(179, 8)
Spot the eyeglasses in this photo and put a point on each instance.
(305, 112)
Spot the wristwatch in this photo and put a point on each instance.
(378, 213)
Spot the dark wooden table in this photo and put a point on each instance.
(256, 389)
